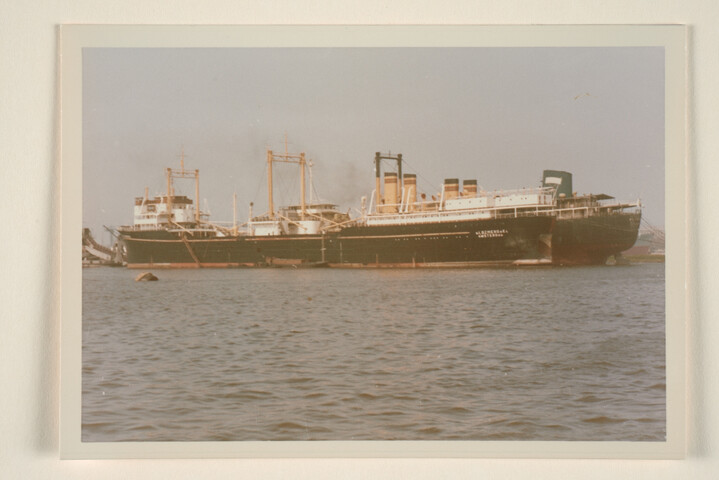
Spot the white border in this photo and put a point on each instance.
(75, 37)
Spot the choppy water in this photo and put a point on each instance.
(274, 354)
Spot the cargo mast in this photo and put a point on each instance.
(286, 158)
(182, 173)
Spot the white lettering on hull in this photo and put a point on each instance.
(491, 233)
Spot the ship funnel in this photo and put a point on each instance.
(469, 188)
(390, 192)
(451, 188)
(562, 180)
(410, 190)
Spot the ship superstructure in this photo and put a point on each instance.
(302, 219)
(167, 216)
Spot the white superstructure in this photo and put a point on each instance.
(289, 220)
(152, 214)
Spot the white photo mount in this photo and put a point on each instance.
(76, 37)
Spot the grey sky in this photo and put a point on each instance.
(500, 115)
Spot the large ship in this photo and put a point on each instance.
(399, 228)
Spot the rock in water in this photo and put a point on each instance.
(145, 277)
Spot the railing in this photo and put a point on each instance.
(437, 216)
(499, 213)
(546, 193)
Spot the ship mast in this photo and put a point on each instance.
(182, 173)
(286, 158)
(309, 171)
(169, 195)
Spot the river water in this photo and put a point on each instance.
(325, 354)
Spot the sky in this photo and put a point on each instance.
(498, 115)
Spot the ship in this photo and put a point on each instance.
(397, 227)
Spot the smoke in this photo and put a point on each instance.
(344, 184)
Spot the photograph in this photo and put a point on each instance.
(305, 243)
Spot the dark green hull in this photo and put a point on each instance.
(592, 240)
(566, 241)
(475, 242)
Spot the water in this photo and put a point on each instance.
(324, 354)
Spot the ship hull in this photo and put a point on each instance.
(491, 242)
(471, 242)
(592, 240)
